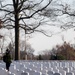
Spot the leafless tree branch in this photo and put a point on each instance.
(36, 11)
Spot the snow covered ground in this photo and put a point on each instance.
(33, 67)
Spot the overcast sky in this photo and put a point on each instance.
(40, 42)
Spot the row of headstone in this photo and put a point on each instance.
(39, 68)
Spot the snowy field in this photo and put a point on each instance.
(39, 68)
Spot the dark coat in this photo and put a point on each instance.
(7, 58)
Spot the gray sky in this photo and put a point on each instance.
(40, 42)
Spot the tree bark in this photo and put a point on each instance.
(17, 50)
(16, 15)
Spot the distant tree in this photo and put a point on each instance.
(60, 57)
(65, 51)
(1, 46)
(46, 54)
(53, 57)
(29, 50)
(40, 57)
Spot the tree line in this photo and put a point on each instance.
(61, 52)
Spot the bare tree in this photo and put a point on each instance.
(1, 39)
(65, 11)
(29, 50)
(17, 13)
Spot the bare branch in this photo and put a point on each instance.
(6, 5)
(36, 11)
(5, 10)
(43, 33)
(30, 6)
(70, 14)
(9, 26)
(8, 19)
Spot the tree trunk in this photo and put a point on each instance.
(17, 50)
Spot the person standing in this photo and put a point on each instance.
(7, 59)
